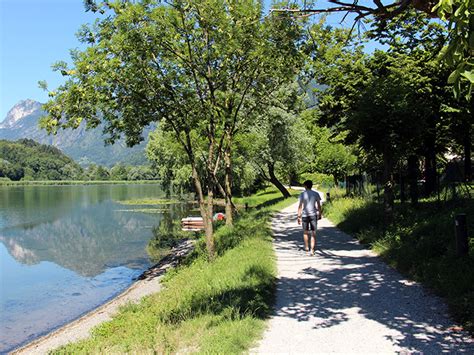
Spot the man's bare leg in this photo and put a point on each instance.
(305, 238)
(313, 241)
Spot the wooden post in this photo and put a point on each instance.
(462, 245)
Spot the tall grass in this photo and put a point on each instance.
(217, 307)
(420, 244)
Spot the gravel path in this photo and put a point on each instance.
(346, 300)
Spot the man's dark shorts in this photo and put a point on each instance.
(309, 223)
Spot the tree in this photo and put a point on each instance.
(417, 37)
(27, 159)
(119, 172)
(457, 53)
(101, 173)
(140, 173)
(389, 102)
(170, 161)
(190, 65)
(279, 142)
(332, 157)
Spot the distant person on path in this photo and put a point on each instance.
(309, 211)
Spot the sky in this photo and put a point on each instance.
(34, 34)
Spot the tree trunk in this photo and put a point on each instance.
(430, 173)
(430, 158)
(402, 186)
(229, 210)
(293, 178)
(467, 151)
(206, 211)
(413, 178)
(207, 217)
(388, 197)
(274, 180)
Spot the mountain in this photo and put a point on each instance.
(22, 109)
(84, 146)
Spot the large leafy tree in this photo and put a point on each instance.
(331, 155)
(389, 102)
(458, 15)
(278, 144)
(169, 161)
(190, 65)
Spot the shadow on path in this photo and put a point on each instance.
(344, 282)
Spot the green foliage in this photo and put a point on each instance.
(458, 53)
(217, 307)
(328, 153)
(320, 180)
(192, 65)
(269, 196)
(277, 143)
(169, 161)
(198, 68)
(141, 172)
(148, 202)
(420, 244)
(28, 160)
(390, 113)
(391, 104)
(119, 172)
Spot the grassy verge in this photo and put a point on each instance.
(420, 244)
(75, 182)
(267, 197)
(217, 307)
(148, 202)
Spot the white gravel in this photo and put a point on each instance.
(347, 300)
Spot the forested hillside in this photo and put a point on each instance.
(85, 146)
(28, 160)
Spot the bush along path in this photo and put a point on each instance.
(345, 299)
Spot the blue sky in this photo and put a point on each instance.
(33, 35)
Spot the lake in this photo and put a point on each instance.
(67, 249)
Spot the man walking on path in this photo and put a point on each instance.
(348, 301)
(309, 211)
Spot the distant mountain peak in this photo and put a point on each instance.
(85, 146)
(22, 109)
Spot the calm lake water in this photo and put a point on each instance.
(67, 249)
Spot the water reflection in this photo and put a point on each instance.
(31, 205)
(87, 240)
(67, 249)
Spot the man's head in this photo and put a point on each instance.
(308, 184)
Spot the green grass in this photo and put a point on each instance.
(217, 307)
(149, 202)
(267, 197)
(145, 210)
(74, 182)
(420, 244)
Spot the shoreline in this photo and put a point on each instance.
(77, 182)
(147, 283)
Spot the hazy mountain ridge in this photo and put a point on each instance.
(84, 146)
